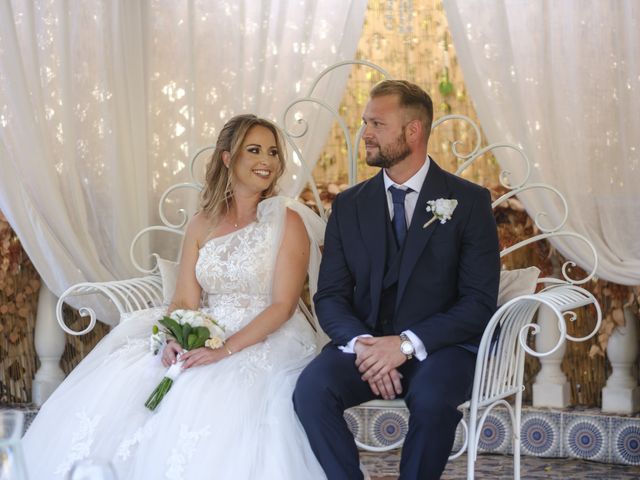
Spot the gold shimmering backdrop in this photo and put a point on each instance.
(410, 39)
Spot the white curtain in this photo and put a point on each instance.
(103, 102)
(562, 80)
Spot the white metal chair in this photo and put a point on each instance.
(499, 370)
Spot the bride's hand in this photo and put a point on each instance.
(170, 353)
(202, 356)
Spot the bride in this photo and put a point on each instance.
(229, 415)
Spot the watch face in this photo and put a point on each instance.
(406, 347)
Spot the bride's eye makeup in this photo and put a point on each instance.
(256, 149)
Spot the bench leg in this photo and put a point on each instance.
(49, 344)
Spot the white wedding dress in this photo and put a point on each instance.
(230, 420)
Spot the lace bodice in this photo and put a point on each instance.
(236, 270)
(240, 262)
(235, 273)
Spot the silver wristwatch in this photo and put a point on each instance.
(406, 347)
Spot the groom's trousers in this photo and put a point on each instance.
(432, 390)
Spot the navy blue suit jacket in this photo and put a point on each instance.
(448, 274)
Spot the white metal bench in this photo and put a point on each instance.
(500, 364)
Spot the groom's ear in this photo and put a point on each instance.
(413, 130)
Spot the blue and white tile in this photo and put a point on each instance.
(586, 437)
(495, 434)
(625, 441)
(355, 422)
(387, 426)
(540, 434)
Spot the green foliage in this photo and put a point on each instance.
(175, 329)
(187, 336)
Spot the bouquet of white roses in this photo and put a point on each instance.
(189, 328)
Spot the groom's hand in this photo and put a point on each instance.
(377, 357)
(388, 386)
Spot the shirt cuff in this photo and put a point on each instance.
(420, 350)
(349, 347)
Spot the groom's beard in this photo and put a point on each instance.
(389, 156)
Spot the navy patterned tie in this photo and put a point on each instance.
(399, 218)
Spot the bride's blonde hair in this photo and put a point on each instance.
(218, 192)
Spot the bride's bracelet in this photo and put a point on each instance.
(226, 347)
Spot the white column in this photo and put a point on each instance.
(621, 394)
(551, 388)
(49, 344)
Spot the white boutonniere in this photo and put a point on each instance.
(442, 209)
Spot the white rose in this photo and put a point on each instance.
(442, 209)
(177, 314)
(214, 343)
(189, 316)
(197, 319)
(445, 208)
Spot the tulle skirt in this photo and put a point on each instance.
(229, 420)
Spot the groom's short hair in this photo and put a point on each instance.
(410, 97)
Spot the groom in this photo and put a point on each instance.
(403, 296)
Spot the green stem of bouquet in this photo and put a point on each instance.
(158, 394)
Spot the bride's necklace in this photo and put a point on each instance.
(236, 223)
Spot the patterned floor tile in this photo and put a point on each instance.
(500, 467)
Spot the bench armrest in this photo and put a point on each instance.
(126, 295)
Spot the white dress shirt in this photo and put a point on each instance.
(410, 200)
